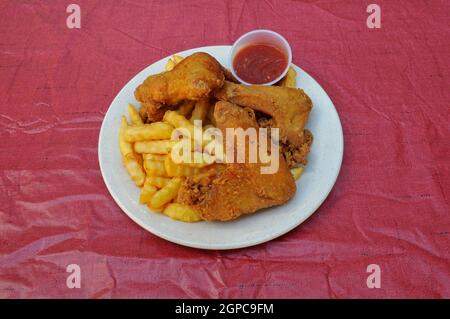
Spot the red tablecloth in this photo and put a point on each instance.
(390, 205)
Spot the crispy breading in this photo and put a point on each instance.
(195, 77)
(297, 155)
(152, 112)
(228, 75)
(227, 191)
(288, 107)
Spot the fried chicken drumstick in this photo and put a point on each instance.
(195, 77)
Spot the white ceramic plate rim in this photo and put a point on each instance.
(128, 204)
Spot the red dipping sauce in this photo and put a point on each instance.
(259, 63)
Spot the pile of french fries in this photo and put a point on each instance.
(146, 149)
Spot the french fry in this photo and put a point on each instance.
(297, 172)
(154, 147)
(200, 110)
(167, 193)
(134, 168)
(177, 58)
(156, 209)
(157, 181)
(154, 157)
(131, 160)
(185, 108)
(179, 121)
(169, 65)
(155, 168)
(290, 78)
(205, 160)
(147, 192)
(177, 170)
(182, 213)
(195, 165)
(208, 136)
(182, 144)
(125, 147)
(153, 131)
(134, 115)
(174, 60)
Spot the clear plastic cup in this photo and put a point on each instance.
(266, 37)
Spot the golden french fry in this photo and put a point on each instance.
(157, 181)
(290, 80)
(195, 165)
(200, 110)
(174, 60)
(134, 168)
(125, 147)
(169, 65)
(167, 193)
(147, 192)
(154, 147)
(182, 212)
(208, 133)
(153, 131)
(199, 160)
(134, 115)
(297, 172)
(183, 144)
(131, 160)
(155, 168)
(179, 121)
(156, 209)
(185, 108)
(177, 170)
(154, 157)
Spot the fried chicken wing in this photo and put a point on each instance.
(227, 191)
(288, 107)
(195, 77)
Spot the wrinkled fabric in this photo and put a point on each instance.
(389, 207)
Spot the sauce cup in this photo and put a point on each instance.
(266, 37)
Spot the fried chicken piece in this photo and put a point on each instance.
(228, 75)
(228, 115)
(227, 191)
(153, 112)
(296, 155)
(195, 77)
(288, 107)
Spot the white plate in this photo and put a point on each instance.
(312, 188)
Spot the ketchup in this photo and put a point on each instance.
(259, 63)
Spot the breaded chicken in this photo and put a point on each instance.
(195, 77)
(227, 191)
(288, 107)
(153, 112)
(295, 155)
